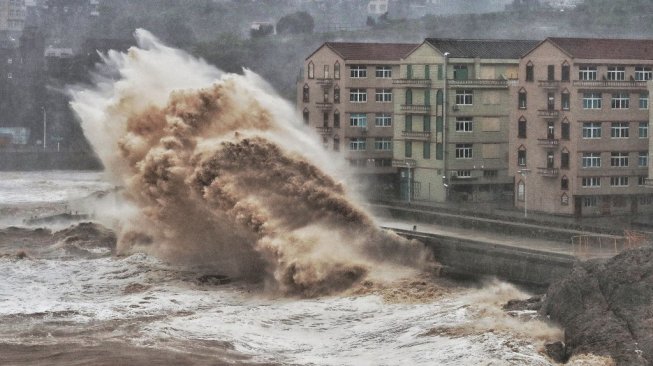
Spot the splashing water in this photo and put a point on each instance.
(222, 173)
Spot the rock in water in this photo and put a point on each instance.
(606, 307)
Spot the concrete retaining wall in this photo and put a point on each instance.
(471, 258)
(33, 160)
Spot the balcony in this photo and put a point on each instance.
(412, 83)
(325, 130)
(479, 83)
(548, 113)
(416, 135)
(324, 82)
(404, 163)
(549, 84)
(549, 143)
(415, 108)
(639, 84)
(548, 172)
(324, 106)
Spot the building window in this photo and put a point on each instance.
(408, 149)
(325, 119)
(591, 160)
(336, 95)
(521, 157)
(326, 96)
(564, 183)
(522, 102)
(587, 73)
(305, 116)
(384, 95)
(383, 120)
(616, 73)
(564, 160)
(645, 200)
(383, 143)
(426, 123)
(643, 129)
(463, 151)
(643, 73)
(619, 130)
(530, 71)
(311, 70)
(565, 101)
(357, 144)
(521, 190)
(464, 173)
(326, 71)
(358, 95)
(490, 173)
(564, 199)
(619, 159)
(464, 124)
(336, 119)
(336, 143)
(336, 70)
(550, 72)
(358, 120)
(620, 100)
(426, 150)
(591, 182)
(439, 151)
(592, 100)
(641, 180)
(10, 75)
(460, 72)
(642, 160)
(619, 181)
(592, 130)
(305, 94)
(408, 123)
(409, 71)
(464, 97)
(384, 72)
(564, 130)
(565, 71)
(358, 71)
(643, 100)
(521, 128)
(591, 201)
(409, 97)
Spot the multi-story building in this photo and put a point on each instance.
(579, 132)
(461, 87)
(649, 181)
(12, 17)
(346, 94)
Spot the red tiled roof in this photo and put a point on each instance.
(597, 48)
(371, 51)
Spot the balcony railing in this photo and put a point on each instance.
(649, 182)
(404, 163)
(324, 81)
(548, 172)
(610, 83)
(550, 143)
(415, 108)
(416, 135)
(324, 130)
(479, 83)
(324, 106)
(548, 113)
(415, 83)
(549, 84)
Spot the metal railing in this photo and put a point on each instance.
(610, 83)
(415, 108)
(417, 135)
(548, 142)
(404, 163)
(549, 84)
(548, 113)
(412, 82)
(479, 83)
(548, 172)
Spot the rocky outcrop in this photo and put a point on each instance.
(606, 308)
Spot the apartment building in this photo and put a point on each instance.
(452, 117)
(346, 94)
(579, 130)
(12, 16)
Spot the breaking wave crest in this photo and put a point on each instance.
(219, 172)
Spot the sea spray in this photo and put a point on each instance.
(222, 173)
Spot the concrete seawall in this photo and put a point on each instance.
(35, 160)
(470, 258)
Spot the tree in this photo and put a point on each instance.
(296, 23)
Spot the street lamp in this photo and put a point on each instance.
(524, 173)
(45, 125)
